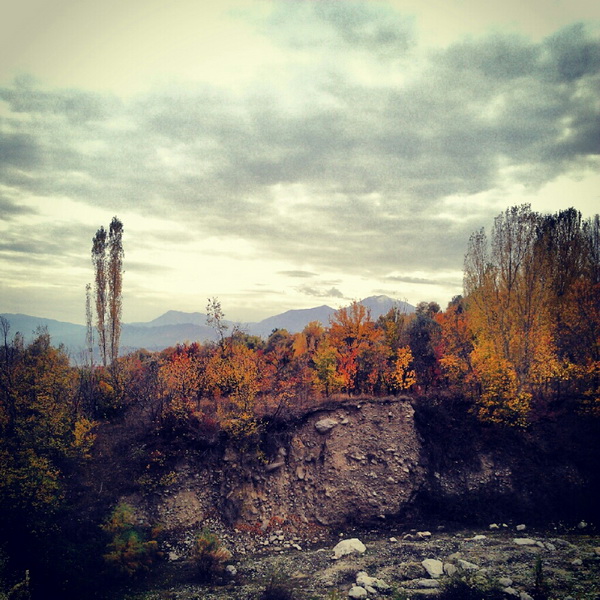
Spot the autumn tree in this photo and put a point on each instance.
(456, 341)
(508, 309)
(423, 336)
(354, 335)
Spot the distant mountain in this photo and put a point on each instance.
(381, 305)
(176, 327)
(69, 334)
(292, 320)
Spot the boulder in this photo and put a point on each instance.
(434, 567)
(348, 547)
(356, 591)
(325, 425)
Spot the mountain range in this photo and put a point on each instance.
(175, 327)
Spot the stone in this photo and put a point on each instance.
(465, 565)
(325, 425)
(525, 596)
(410, 570)
(494, 526)
(274, 466)
(393, 540)
(363, 579)
(428, 583)
(577, 562)
(478, 538)
(505, 582)
(521, 527)
(423, 535)
(510, 591)
(450, 569)
(582, 525)
(348, 547)
(524, 542)
(356, 591)
(434, 567)
(231, 570)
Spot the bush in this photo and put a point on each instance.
(467, 587)
(278, 589)
(209, 555)
(130, 552)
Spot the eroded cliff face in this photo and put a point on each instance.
(358, 462)
(364, 461)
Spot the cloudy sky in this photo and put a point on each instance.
(283, 154)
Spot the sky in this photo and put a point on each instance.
(283, 154)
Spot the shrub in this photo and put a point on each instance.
(467, 587)
(209, 555)
(540, 586)
(278, 589)
(130, 552)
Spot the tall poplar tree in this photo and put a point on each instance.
(89, 328)
(107, 259)
(100, 267)
(115, 285)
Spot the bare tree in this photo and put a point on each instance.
(89, 328)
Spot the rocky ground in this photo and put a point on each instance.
(502, 561)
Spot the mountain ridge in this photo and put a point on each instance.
(173, 327)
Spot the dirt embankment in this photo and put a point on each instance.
(374, 461)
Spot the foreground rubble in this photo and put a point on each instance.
(502, 562)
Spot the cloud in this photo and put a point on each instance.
(341, 156)
(298, 274)
(9, 209)
(320, 293)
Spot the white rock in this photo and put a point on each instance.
(428, 583)
(325, 425)
(465, 565)
(582, 525)
(577, 562)
(525, 596)
(478, 538)
(494, 526)
(505, 581)
(434, 567)
(423, 534)
(173, 556)
(357, 592)
(231, 570)
(524, 542)
(510, 591)
(363, 580)
(348, 547)
(393, 539)
(521, 527)
(450, 569)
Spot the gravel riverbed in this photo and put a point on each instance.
(399, 563)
